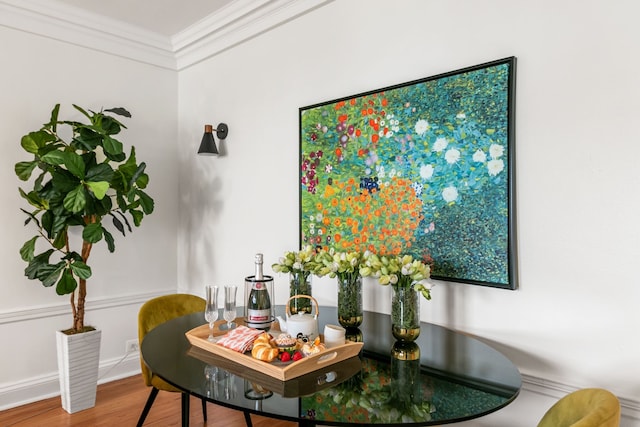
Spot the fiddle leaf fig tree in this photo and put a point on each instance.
(79, 184)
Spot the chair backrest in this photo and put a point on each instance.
(589, 407)
(161, 309)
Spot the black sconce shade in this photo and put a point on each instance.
(208, 145)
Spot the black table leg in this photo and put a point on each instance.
(185, 409)
(247, 419)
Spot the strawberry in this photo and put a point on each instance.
(285, 357)
(297, 356)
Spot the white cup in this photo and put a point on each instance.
(333, 335)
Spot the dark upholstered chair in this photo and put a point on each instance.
(153, 313)
(589, 407)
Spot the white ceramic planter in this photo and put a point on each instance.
(78, 361)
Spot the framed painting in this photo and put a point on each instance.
(425, 168)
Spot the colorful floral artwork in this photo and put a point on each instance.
(423, 168)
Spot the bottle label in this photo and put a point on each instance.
(259, 316)
(259, 286)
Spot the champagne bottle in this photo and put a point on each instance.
(259, 303)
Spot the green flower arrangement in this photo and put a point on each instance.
(302, 262)
(346, 267)
(300, 265)
(338, 264)
(402, 271)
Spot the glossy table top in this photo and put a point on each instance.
(453, 378)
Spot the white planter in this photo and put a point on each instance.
(78, 357)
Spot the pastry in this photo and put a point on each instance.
(286, 342)
(264, 348)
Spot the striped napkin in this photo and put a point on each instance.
(240, 339)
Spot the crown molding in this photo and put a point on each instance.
(232, 25)
(239, 21)
(75, 26)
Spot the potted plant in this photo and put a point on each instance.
(79, 183)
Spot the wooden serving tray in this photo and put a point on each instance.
(282, 371)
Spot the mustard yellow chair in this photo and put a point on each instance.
(589, 407)
(153, 313)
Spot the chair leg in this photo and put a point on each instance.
(147, 406)
(204, 409)
(185, 409)
(247, 419)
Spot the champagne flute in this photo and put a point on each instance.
(229, 312)
(211, 309)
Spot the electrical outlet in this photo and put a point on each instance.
(131, 346)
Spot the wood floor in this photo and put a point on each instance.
(119, 404)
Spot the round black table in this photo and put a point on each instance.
(444, 377)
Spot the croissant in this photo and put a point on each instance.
(264, 348)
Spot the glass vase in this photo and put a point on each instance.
(405, 313)
(350, 300)
(300, 284)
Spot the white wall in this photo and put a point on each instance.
(37, 73)
(573, 321)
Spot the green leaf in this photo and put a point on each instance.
(51, 273)
(100, 172)
(110, 126)
(81, 269)
(87, 139)
(34, 199)
(55, 157)
(128, 169)
(27, 250)
(47, 222)
(87, 115)
(61, 239)
(92, 233)
(139, 171)
(99, 189)
(118, 224)
(143, 181)
(37, 263)
(112, 145)
(63, 181)
(35, 140)
(75, 200)
(109, 239)
(53, 122)
(24, 169)
(126, 221)
(137, 217)
(67, 283)
(145, 201)
(74, 164)
(119, 111)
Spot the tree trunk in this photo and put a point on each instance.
(78, 318)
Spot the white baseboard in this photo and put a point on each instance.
(46, 386)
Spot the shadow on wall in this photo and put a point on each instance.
(200, 197)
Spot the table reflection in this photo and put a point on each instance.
(381, 392)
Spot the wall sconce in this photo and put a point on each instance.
(208, 144)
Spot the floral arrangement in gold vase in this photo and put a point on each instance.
(407, 277)
(300, 265)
